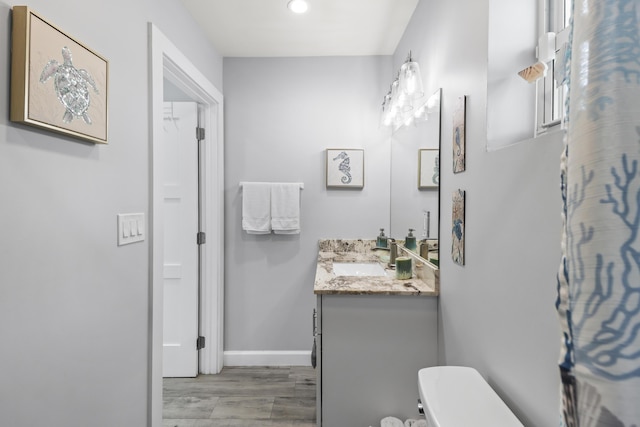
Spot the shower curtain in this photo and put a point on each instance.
(599, 278)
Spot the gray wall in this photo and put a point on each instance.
(74, 306)
(281, 115)
(497, 312)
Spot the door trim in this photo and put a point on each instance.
(166, 61)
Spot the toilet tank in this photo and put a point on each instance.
(454, 396)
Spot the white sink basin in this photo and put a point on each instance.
(358, 269)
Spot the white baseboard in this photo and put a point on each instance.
(267, 358)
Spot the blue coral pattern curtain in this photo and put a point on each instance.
(599, 279)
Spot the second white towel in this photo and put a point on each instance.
(285, 208)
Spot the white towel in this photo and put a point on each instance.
(256, 207)
(415, 423)
(285, 208)
(391, 422)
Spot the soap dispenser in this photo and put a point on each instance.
(410, 241)
(381, 241)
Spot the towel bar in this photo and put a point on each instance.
(301, 184)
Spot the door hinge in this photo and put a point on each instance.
(199, 134)
(200, 343)
(201, 238)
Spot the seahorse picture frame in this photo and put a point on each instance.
(345, 168)
(57, 83)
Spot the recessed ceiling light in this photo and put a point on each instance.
(298, 6)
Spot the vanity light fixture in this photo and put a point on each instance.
(404, 104)
(298, 6)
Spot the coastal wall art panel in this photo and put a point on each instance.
(457, 228)
(428, 168)
(345, 168)
(459, 118)
(57, 83)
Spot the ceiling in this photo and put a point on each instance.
(266, 28)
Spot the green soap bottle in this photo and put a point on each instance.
(381, 241)
(410, 241)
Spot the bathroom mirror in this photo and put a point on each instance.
(415, 195)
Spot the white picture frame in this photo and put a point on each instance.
(344, 168)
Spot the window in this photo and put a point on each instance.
(554, 18)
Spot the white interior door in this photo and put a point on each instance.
(180, 269)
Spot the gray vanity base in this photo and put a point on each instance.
(369, 353)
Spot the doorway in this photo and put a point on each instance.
(167, 63)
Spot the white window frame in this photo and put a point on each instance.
(552, 18)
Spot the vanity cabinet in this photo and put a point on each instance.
(369, 351)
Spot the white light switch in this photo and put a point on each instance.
(130, 228)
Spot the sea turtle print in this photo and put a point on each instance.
(71, 86)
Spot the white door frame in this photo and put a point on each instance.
(166, 61)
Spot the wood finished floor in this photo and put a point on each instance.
(242, 397)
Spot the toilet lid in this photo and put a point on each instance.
(455, 396)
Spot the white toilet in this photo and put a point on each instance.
(456, 396)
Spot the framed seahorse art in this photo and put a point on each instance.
(345, 168)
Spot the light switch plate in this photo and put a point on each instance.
(131, 228)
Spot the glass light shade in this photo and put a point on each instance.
(405, 102)
(394, 107)
(399, 99)
(298, 6)
(411, 80)
(405, 105)
(386, 119)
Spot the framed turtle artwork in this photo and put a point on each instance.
(57, 83)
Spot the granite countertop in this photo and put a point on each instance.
(327, 283)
